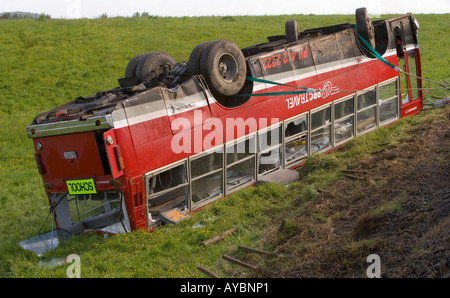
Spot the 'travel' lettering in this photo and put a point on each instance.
(327, 90)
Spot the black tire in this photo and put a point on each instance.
(151, 66)
(223, 66)
(364, 26)
(291, 30)
(130, 71)
(195, 57)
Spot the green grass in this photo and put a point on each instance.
(387, 206)
(47, 63)
(169, 251)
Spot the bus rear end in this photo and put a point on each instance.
(82, 169)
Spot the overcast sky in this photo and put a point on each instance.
(95, 8)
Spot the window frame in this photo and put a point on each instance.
(250, 156)
(163, 169)
(218, 149)
(396, 97)
(330, 125)
(262, 131)
(373, 88)
(305, 133)
(351, 115)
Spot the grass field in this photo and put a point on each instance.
(49, 62)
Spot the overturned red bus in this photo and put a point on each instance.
(177, 136)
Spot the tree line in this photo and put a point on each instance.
(23, 15)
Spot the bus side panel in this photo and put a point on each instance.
(411, 108)
(164, 151)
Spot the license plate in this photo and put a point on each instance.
(81, 186)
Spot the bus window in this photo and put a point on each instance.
(344, 118)
(240, 158)
(296, 136)
(402, 64)
(168, 179)
(207, 163)
(169, 185)
(269, 150)
(388, 100)
(207, 176)
(320, 129)
(413, 71)
(367, 99)
(403, 81)
(75, 213)
(366, 110)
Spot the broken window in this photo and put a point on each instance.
(167, 189)
(240, 158)
(296, 136)
(366, 110)
(269, 150)
(75, 213)
(411, 53)
(320, 129)
(344, 119)
(207, 176)
(388, 99)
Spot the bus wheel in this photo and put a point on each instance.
(152, 67)
(364, 26)
(194, 58)
(130, 71)
(291, 30)
(223, 66)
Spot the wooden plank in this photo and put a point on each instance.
(355, 177)
(355, 165)
(254, 250)
(207, 272)
(219, 237)
(258, 270)
(354, 171)
(239, 262)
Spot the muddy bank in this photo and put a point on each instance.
(394, 203)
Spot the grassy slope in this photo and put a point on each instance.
(47, 63)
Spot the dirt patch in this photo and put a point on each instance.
(395, 203)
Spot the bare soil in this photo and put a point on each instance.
(394, 203)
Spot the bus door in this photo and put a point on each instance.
(408, 55)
